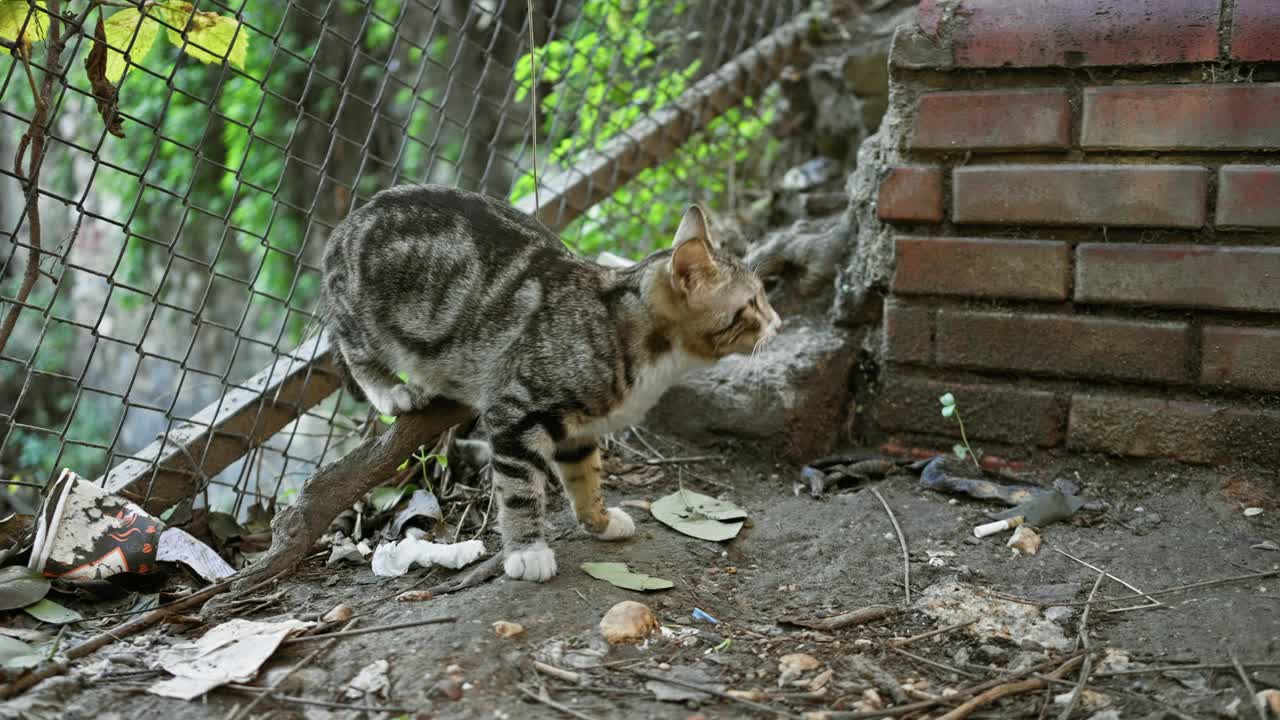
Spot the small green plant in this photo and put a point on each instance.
(962, 451)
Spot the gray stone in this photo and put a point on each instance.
(791, 396)
(913, 50)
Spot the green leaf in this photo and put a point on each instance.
(947, 400)
(51, 612)
(210, 37)
(699, 516)
(948, 410)
(385, 498)
(619, 575)
(960, 450)
(17, 16)
(128, 30)
(388, 420)
(15, 654)
(21, 586)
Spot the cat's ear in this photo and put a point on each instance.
(693, 262)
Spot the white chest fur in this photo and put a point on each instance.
(651, 382)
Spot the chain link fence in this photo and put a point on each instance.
(170, 172)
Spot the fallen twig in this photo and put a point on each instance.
(371, 709)
(1082, 640)
(849, 619)
(932, 633)
(906, 558)
(934, 663)
(556, 672)
(1006, 689)
(915, 707)
(1122, 598)
(271, 691)
(1179, 668)
(1152, 604)
(553, 704)
(1257, 702)
(683, 460)
(123, 630)
(485, 571)
(711, 691)
(374, 629)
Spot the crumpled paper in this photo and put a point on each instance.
(395, 559)
(230, 652)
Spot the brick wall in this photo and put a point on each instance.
(1085, 208)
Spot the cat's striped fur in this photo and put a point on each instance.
(480, 303)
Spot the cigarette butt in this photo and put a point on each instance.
(992, 528)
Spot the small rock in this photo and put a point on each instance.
(794, 665)
(1024, 540)
(992, 652)
(1058, 614)
(638, 504)
(821, 680)
(872, 699)
(414, 596)
(1144, 523)
(505, 629)
(628, 622)
(961, 656)
(1089, 699)
(448, 688)
(1252, 511)
(339, 613)
(371, 681)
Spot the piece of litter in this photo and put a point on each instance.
(701, 615)
(628, 622)
(421, 504)
(505, 629)
(414, 596)
(1252, 511)
(950, 603)
(687, 675)
(619, 575)
(230, 652)
(1024, 540)
(371, 681)
(344, 549)
(394, 559)
(794, 665)
(1089, 699)
(176, 545)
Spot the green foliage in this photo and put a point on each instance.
(592, 103)
(950, 408)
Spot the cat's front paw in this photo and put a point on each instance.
(536, 562)
(400, 399)
(620, 526)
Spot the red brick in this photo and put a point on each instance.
(993, 120)
(1231, 278)
(1249, 196)
(911, 192)
(1182, 117)
(1072, 345)
(1189, 431)
(908, 333)
(1038, 33)
(1139, 195)
(1001, 413)
(1030, 269)
(1241, 356)
(1255, 30)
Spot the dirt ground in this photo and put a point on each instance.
(799, 557)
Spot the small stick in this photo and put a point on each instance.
(1248, 687)
(923, 636)
(553, 704)
(710, 691)
(682, 460)
(321, 703)
(906, 558)
(1082, 640)
(1152, 604)
(844, 620)
(1166, 591)
(1178, 668)
(936, 664)
(556, 672)
(1006, 689)
(374, 629)
(271, 691)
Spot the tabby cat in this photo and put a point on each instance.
(477, 302)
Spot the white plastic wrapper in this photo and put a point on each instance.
(395, 559)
